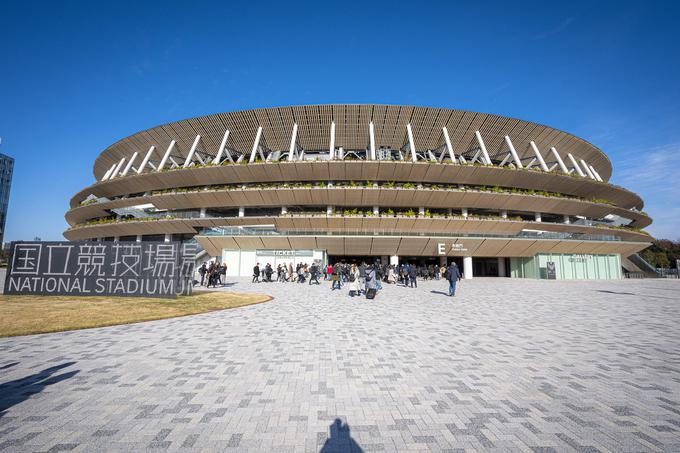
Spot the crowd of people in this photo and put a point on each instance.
(366, 279)
(212, 274)
(286, 273)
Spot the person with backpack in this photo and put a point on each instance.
(452, 274)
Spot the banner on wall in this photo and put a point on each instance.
(551, 270)
(131, 269)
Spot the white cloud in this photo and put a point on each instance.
(654, 174)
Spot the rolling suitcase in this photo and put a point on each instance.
(370, 293)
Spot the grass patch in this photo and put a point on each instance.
(26, 315)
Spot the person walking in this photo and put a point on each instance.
(314, 274)
(378, 275)
(335, 277)
(223, 274)
(370, 282)
(362, 275)
(202, 271)
(256, 274)
(413, 276)
(453, 276)
(354, 282)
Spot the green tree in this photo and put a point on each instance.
(649, 256)
(662, 260)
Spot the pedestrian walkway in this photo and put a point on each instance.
(506, 365)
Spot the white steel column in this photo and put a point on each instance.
(187, 161)
(256, 143)
(411, 144)
(515, 157)
(421, 210)
(117, 169)
(585, 167)
(145, 160)
(449, 147)
(575, 164)
(222, 146)
(165, 156)
(482, 146)
(504, 214)
(464, 212)
(129, 164)
(371, 136)
(566, 219)
(537, 216)
(376, 210)
(168, 238)
(293, 138)
(241, 211)
(109, 172)
(467, 267)
(501, 266)
(284, 210)
(597, 175)
(291, 149)
(138, 238)
(201, 213)
(544, 167)
(394, 260)
(560, 162)
(329, 210)
(331, 146)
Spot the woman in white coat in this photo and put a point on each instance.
(354, 285)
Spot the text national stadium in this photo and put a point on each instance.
(500, 196)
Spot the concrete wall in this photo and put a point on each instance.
(240, 263)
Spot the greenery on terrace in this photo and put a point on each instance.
(356, 212)
(381, 185)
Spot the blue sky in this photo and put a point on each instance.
(76, 77)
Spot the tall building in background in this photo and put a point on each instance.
(6, 168)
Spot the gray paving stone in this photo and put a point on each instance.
(507, 365)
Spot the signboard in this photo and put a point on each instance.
(551, 271)
(143, 269)
(457, 247)
(290, 253)
(580, 258)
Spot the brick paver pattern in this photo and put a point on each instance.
(507, 365)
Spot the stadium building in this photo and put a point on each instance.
(500, 196)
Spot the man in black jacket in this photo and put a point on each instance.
(413, 275)
(202, 270)
(256, 273)
(314, 274)
(452, 275)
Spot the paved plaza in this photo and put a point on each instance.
(507, 365)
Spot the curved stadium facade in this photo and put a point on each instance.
(501, 196)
